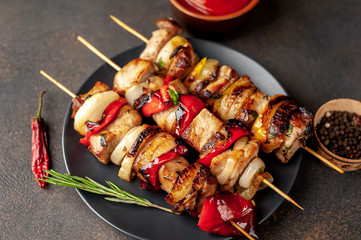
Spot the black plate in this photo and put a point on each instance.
(148, 223)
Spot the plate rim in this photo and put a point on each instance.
(105, 65)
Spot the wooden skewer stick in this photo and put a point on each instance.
(267, 183)
(61, 86)
(241, 230)
(58, 84)
(144, 39)
(73, 95)
(99, 54)
(129, 29)
(324, 160)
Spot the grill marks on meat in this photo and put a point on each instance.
(187, 185)
(202, 129)
(135, 72)
(300, 126)
(154, 147)
(226, 76)
(230, 165)
(126, 119)
(168, 28)
(276, 120)
(182, 61)
(209, 72)
(192, 186)
(169, 172)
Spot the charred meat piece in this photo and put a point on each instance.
(299, 129)
(169, 172)
(103, 144)
(191, 188)
(200, 78)
(275, 121)
(203, 127)
(126, 170)
(135, 72)
(182, 61)
(232, 100)
(168, 28)
(226, 76)
(154, 147)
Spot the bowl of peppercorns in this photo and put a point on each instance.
(338, 132)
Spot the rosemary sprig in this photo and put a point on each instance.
(114, 193)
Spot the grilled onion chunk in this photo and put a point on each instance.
(92, 109)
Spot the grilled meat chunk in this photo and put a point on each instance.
(299, 129)
(226, 76)
(182, 61)
(190, 189)
(232, 100)
(229, 165)
(203, 127)
(169, 172)
(103, 144)
(135, 72)
(154, 147)
(198, 80)
(168, 28)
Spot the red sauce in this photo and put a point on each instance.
(214, 7)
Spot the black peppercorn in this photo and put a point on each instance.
(340, 132)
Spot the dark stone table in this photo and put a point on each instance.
(311, 47)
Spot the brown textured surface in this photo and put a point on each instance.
(311, 47)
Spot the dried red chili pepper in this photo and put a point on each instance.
(39, 146)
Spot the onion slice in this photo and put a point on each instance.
(92, 109)
(256, 166)
(125, 144)
(164, 57)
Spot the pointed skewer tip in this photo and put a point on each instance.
(324, 160)
(284, 195)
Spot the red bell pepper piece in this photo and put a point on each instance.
(236, 130)
(191, 106)
(150, 170)
(155, 105)
(109, 114)
(164, 89)
(221, 208)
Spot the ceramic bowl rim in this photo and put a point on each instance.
(199, 16)
(318, 117)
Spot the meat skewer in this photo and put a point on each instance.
(279, 152)
(206, 182)
(265, 181)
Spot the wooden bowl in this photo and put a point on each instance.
(211, 26)
(341, 104)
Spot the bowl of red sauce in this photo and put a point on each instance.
(212, 18)
(338, 132)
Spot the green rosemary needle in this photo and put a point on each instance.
(114, 193)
